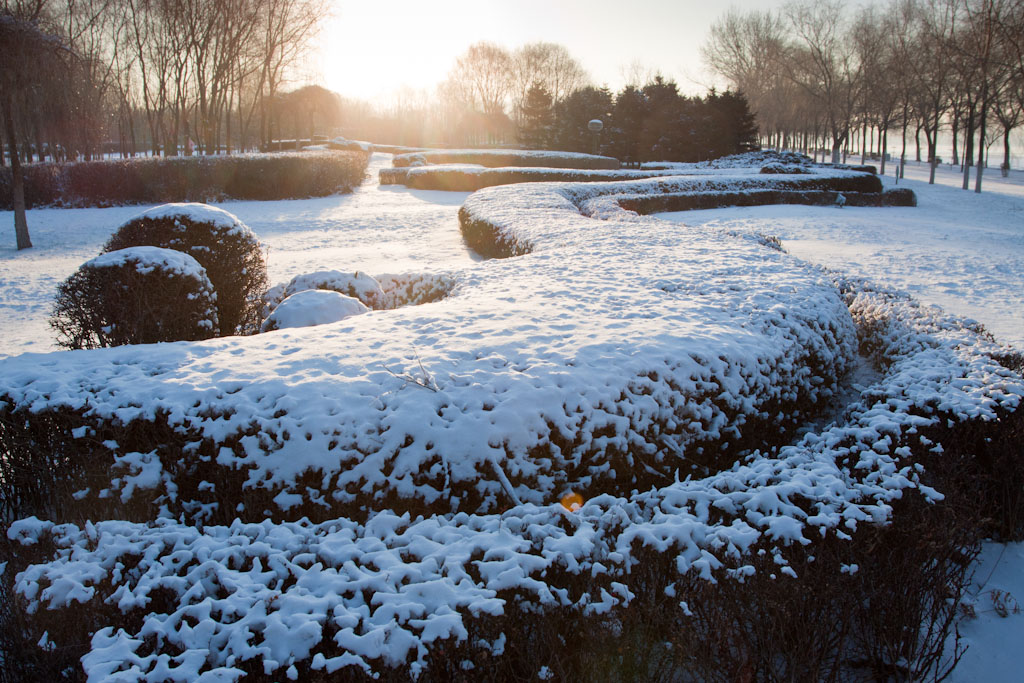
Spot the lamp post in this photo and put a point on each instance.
(595, 126)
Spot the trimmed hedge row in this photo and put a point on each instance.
(492, 158)
(458, 180)
(156, 180)
(688, 201)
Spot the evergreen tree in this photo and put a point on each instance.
(574, 113)
(732, 125)
(628, 118)
(661, 135)
(538, 118)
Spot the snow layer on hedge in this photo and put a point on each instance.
(313, 307)
(148, 259)
(197, 213)
(617, 339)
(384, 591)
(358, 285)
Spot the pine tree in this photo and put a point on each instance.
(538, 118)
(628, 117)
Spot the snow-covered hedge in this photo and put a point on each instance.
(225, 247)
(139, 295)
(684, 381)
(500, 221)
(154, 180)
(497, 158)
(472, 178)
(383, 292)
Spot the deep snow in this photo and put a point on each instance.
(956, 249)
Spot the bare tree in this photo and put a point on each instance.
(483, 77)
(824, 64)
(548, 65)
(31, 53)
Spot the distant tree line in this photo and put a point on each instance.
(156, 76)
(539, 96)
(820, 76)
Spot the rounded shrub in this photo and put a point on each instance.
(222, 244)
(313, 307)
(356, 285)
(139, 295)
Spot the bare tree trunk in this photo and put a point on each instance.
(883, 140)
(956, 136)
(17, 176)
(903, 152)
(1006, 153)
(968, 146)
(931, 136)
(981, 146)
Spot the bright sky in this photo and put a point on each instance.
(372, 48)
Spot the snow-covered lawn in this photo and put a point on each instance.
(956, 249)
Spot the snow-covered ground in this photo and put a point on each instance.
(956, 249)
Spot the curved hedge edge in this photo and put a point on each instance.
(489, 240)
(603, 200)
(861, 168)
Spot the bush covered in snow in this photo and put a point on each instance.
(496, 158)
(139, 295)
(312, 307)
(226, 248)
(356, 285)
(154, 180)
(414, 289)
(384, 292)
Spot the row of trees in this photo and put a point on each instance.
(155, 75)
(539, 96)
(816, 74)
(650, 123)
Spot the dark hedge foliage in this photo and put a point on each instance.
(101, 306)
(157, 180)
(232, 257)
(687, 201)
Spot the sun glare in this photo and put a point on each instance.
(357, 57)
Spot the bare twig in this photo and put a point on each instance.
(425, 380)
